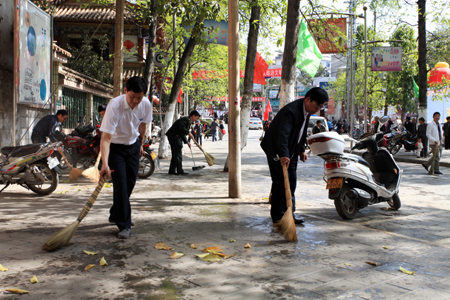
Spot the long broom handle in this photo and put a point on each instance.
(65, 158)
(98, 159)
(199, 147)
(287, 187)
(92, 198)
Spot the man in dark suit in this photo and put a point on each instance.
(177, 136)
(286, 139)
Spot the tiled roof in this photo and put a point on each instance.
(61, 50)
(76, 13)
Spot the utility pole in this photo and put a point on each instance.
(365, 70)
(174, 28)
(118, 44)
(234, 142)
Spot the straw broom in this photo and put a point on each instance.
(209, 157)
(75, 173)
(92, 173)
(63, 237)
(286, 226)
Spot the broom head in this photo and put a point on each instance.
(286, 226)
(61, 238)
(92, 174)
(75, 174)
(209, 159)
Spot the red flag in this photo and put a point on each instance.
(179, 96)
(267, 111)
(260, 67)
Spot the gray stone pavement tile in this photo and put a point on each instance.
(336, 288)
(427, 293)
(371, 277)
(443, 285)
(381, 291)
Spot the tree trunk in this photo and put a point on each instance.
(290, 53)
(168, 120)
(246, 104)
(149, 68)
(421, 61)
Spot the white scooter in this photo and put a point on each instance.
(355, 182)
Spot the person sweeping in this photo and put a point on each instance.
(284, 143)
(125, 120)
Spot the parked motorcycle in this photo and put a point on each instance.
(355, 182)
(30, 166)
(149, 161)
(156, 134)
(87, 154)
(399, 139)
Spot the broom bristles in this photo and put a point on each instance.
(75, 174)
(61, 238)
(92, 174)
(209, 159)
(286, 226)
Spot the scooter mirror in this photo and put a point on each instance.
(383, 119)
(347, 138)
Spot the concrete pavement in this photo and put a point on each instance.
(328, 262)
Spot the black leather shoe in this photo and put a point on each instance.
(184, 173)
(438, 173)
(426, 168)
(114, 222)
(298, 220)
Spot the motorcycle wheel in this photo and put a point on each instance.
(395, 149)
(51, 179)
(84, 162)
(395, 202)
(146, 166)
(346, 207)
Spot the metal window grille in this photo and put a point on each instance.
(75, 104)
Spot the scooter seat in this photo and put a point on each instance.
(22, 150)
(357, 158)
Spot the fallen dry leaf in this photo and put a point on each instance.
(193, 246)
(247, 246)
(229, 256)
(406, 271)
(232, 240)
(221, 254)
(212, 250)
(162, 246)
(266, 198)
(89, 267)
(3, 269)
(103, 262)
(202, 255)
(34, 279)
(348, 264)
(385, 247)
(212, 257)
(90, 252)
(107, 185)
(176, 255)
(371, 263)
(18, 291)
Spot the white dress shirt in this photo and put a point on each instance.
(123, 122)
(433, 133)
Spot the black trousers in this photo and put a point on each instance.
(124, 160)
(447, 142)
(36, 139)
(278, 199)
(176, 145)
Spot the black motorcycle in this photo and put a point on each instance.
(399, 139)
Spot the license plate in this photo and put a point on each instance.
(153, 155)
(335, 183)
(52, 163)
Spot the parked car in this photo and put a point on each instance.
(312, 123)
(255, 123)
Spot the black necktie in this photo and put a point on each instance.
(439, 130)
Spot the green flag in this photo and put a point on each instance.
(308, 54)
(416, 89)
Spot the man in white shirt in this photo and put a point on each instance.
(435, 140)
(125, 120)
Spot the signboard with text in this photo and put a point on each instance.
(225, 99)
(386, 58)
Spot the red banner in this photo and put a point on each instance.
(213, 74)
(325, 34)
(225, 99)
(272, 73)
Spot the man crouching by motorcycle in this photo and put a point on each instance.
(46, 127)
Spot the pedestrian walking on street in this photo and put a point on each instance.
(422, 137)
(213, 129)
(345, 127)
(46, 127)
(198, 132)
(318, 128)
(221, 129)
(177, 136)
(286, 139)
(124, 127)
(447, 133)
(436, 139)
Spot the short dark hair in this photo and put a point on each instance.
(62, 112)
(408, 118)
(136, 84)
(318, 122)
(436, 113)
(101, 107)
(421, 119)
(318, 95)
(448, 117)
(194, 113)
